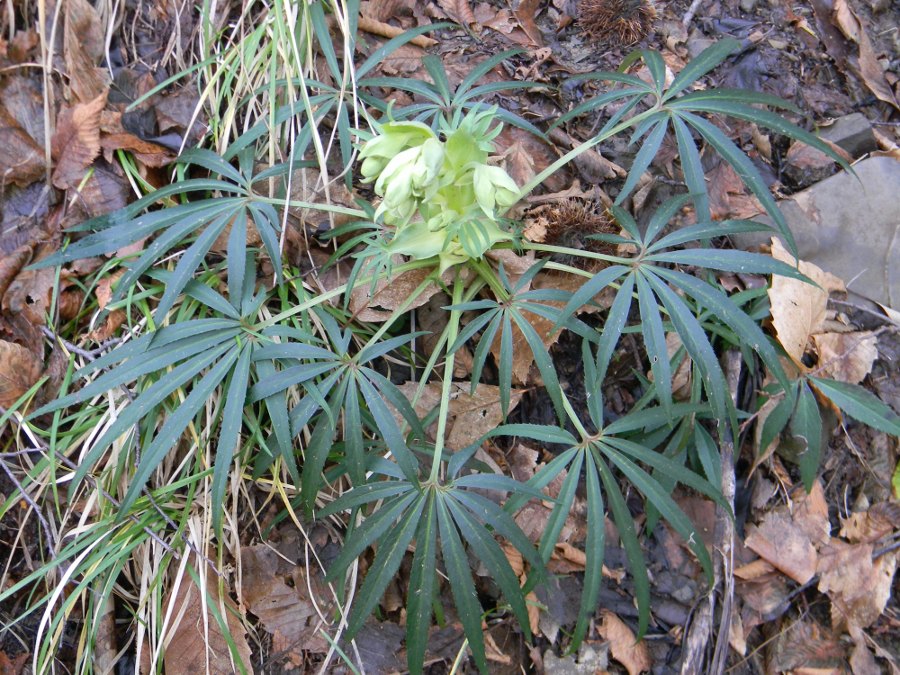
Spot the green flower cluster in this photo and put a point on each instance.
(441, 196)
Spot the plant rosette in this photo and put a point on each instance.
(442, 198)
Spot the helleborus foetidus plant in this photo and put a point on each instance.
(440, 194)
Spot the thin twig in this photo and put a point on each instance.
(689, 15)
(51, 539)
(89, 354)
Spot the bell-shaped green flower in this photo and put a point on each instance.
(494, 189)
(409, 178)
(394, 137)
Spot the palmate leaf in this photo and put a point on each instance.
(217, 204)
(444, 518)
(670, 299)
(679, 108)
(190, 360)
(589, 459)
(499, 316)
(336, 382)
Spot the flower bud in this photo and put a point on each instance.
(494, 188)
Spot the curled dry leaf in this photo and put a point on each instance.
(798, 308)
(846, 357)
(76, 142)
(19, 369)
(868, 66)
(867, 527)
(623, 645)
(526, 13)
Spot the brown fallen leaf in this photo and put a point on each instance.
(22, 159)
(19, 369)
(460, 11)
(868, 66)
(197, 643)
(389, 294)
(526, 13)
(858, 587)
(867, 527)
(471, 415)
(278, 592)
(798, 308)
(84, 45)
(76, 142)
(623, 645)
(783, 544)
(846, 357)
(728, 196)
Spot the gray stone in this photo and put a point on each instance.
(853, 133)
(592, 658)
(850, 226)
(747, 6)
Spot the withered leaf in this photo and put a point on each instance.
(22, 159)
(798, 308)
(389, 294)
(19, 369)
(471, 415)
(76, 142)
(624, 646)
(858, 587)
(846, 357)
(83, 49)
(278, 592)
(197, 643)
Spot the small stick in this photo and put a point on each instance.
(689, 15)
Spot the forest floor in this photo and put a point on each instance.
(809, 584)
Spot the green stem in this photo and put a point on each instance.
(295, 203)
(444, 413)
(576, 253)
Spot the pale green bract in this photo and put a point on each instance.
(441, 197)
